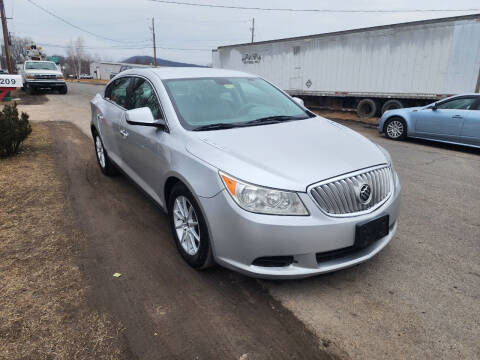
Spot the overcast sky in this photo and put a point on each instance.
(179, 26)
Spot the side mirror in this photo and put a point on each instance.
(299, 101)
(144, 117)
(434, 107)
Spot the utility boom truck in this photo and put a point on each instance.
(39, 74)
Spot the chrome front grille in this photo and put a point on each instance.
(346, 195)
(45, 77)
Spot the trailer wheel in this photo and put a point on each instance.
(367, 108)
(391, 105)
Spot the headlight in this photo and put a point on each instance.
(30, 77)
(392, 168)
(263, 200)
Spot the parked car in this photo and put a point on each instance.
(42, 75)
(454, 120)
(250, 178)
(86, 76)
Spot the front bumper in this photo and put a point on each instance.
(239, 237)
(39, 84)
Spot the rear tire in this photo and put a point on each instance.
(367, 108)
(106, 165)
(189, 228)
(391, 105)
(395, 128)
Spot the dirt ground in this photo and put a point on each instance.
(44, 312)
(61, 245)
(168, 309)
(89, 81)
(344, 115)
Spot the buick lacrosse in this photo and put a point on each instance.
(250, 178)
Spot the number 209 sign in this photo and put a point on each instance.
(10, 81)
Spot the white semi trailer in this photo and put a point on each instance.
(371, 69)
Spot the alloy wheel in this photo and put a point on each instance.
(395, 129)
(186, 225)
(100, 151)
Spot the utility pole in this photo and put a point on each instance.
(252, 29)
(6, 37)
(154, 44)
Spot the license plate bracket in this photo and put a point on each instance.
(371, 231)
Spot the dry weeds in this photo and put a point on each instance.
(43, 308)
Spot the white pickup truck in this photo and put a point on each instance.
(40, 75)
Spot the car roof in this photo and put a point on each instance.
(165, 73)
(39, 61)
(459, 95)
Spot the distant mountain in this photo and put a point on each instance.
(147, 60)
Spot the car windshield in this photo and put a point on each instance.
(41, 65)
(213, 103)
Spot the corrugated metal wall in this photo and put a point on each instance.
(431, 58)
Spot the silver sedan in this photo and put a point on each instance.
(250, 178)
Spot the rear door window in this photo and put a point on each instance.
(117, 92)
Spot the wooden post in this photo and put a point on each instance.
(6, 37)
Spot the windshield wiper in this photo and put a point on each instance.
(218, 126)
(272, 120)
(262, 121)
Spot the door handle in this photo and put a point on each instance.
(99, 117)
(124, 133)
(457, 117)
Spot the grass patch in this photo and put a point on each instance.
(44, 313)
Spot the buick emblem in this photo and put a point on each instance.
(365, 194)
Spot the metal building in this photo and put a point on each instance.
(102, 70)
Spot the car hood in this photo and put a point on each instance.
(290, 155)
(43, 72)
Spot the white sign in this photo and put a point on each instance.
(11, 81)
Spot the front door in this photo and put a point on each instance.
(142, 148)
(444, 121)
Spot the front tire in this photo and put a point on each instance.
(63, 90)
(106, 165)
(31, 90)
(189, 228)
(395, 128)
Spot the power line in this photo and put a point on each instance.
(126, 47)
(75, 26)
(172, 2)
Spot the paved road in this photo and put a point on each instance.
(73, 107)
(419, 298)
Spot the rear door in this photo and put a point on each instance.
(143, 149)
(116, 97)
(470, 132)
(444, 122)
